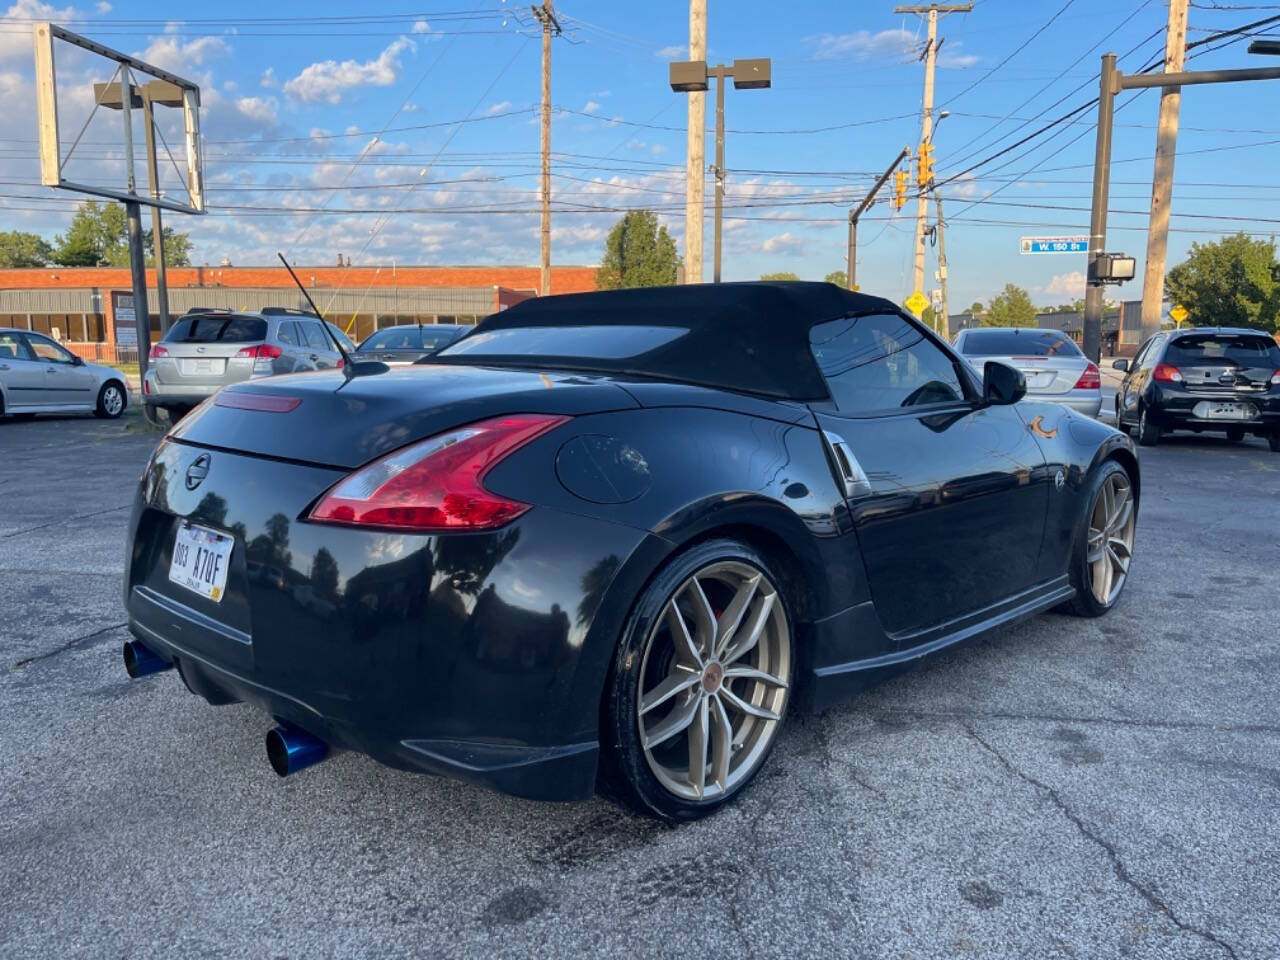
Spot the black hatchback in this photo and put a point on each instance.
(1220, 379)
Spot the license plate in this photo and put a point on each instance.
(202, 367)
(201, 558)
(1227, 411)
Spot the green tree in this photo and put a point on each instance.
(976, 308)
(638, 253)
(1011, 307)
(99, 236)
(1231, 283)
(780, 275)
(19, 249)
(838, 277)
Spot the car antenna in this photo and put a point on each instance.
(349, 366)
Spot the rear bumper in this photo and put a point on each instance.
(1088, 402)
(1173, 408)
(476, 656)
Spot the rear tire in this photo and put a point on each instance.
(1102, 548)
(717, 694)
(1235, 434)
(1148, 432)
(1274, 441)
(111, 400)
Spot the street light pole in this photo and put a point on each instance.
(691, 76)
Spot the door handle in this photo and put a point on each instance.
(851, 473)
(314, 358)
(4, 366)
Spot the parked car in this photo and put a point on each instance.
(1221, 379)
(38, 375)
(409, 343)
(1055, 368)
(207, 349)
(621, 533)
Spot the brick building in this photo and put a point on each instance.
(75, 304)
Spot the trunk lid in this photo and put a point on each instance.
(1045, 375)
(346, 423)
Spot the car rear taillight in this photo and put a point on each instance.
(1275, 379)
(263, 351)
(1089, 380)
(436, 484)
(340, 364)
(1167, 373)
(158, 350)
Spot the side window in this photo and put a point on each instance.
(881, 362)
(13, 347)
(287, 334)
(1148, 358)
(315, 336)
(47, 350)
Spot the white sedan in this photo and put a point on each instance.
(38, 375)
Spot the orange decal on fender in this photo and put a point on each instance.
(1041, 431)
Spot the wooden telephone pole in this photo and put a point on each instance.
(926, 121)
(695, 172)
(547, 17)
(1175, 49)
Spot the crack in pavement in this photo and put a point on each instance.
(1136, 722)
(83, 516)
(1117, 865)
(69, 645)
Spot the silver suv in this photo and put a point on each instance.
(206, 350)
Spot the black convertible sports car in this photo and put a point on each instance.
(613, 538)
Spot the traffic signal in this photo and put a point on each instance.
(925, 168)
(899, 189)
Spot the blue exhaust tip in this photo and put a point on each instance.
(140, 660)
(291, 749)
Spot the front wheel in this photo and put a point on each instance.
(1102, 548)
(111, 401)
(1235, 434)
(701, 683)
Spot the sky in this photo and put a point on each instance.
(411, 135)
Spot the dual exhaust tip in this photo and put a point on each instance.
(289, 748)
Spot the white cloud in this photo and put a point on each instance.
(104, 7)
(327, 80)
(498, 108)
(657, 149)
(1067, 284)
(950, 58)
(268, 78)
(421, 26)
(410, 108)
(865, 45)
(169, 53)
(784, 243)
(674, 52)
(591, 107)
(259, 109)
(15, 41)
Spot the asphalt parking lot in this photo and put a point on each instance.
(1061, 788)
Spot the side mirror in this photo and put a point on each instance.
(77, 361)
(1001, 384)
(1121, 364)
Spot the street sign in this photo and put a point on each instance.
(916, 303)
(1055, 244)
(1178, 314)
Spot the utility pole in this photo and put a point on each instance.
(1175, 48)
(695, 172)
(547, 17)
(852, 266)
(944, 324)
(930, 57)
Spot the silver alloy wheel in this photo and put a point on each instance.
(112, 401)
(1111, 525)
(714, 680)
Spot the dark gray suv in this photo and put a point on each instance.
(208, 349)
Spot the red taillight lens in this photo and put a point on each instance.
(263, 351)
(158, 350)
(436, 484)
(340, 364)
(1167, 373)
(1089, 380)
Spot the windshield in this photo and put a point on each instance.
(217, 328)
(394, 338)
(1216, 348)
(1018, 343)
(605, 342)
(343, 339)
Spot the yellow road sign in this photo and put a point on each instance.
(916, 303)
(1178, 314)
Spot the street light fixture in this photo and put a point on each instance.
(1271, 47)
(691, 76)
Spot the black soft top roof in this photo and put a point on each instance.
(750, 337)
